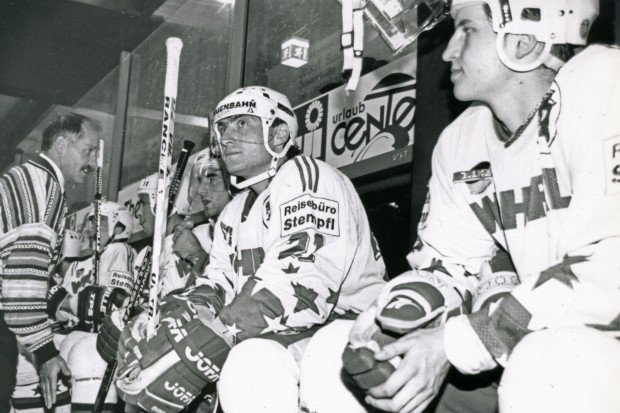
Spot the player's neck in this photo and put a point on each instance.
(515, 106)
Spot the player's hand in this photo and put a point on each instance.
(186, 245)
(138, 327)
(48, 376)
(419, 376)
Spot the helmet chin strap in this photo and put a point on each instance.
(269, 173)
(273, 166)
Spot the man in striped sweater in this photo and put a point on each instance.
(32, 220)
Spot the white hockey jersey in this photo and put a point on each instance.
(295, 255)
(549, 196)
(115, 270)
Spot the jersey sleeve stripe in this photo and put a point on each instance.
(316, 179)
(301, 174)
(309, 170)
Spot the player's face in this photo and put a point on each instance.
(243, 151)
(145, 215)
(79, 158)
(476, 71)
(211, 189)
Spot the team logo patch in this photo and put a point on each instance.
(122, 280)
(471, 176)
(611, 153)
(307, 212)
(266, 211)
(477, 178)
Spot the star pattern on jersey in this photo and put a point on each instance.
(333, 296)
(305, 298)
(273, 324)
(256, 283)
(253, 313)
(561, 272)
(614, 325)
(291, 269)
(183, 267)
(233, 329)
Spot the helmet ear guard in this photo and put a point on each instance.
(550, 21)
(72, 245)
(266, 104)
(116, 215)
(148, 186)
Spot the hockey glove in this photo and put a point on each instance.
(109, 336)
(178, 308)
(410, 301)
(175, 364)
(95, 302)
(58, 305)
(358, 359)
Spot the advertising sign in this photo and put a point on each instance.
(367, 130)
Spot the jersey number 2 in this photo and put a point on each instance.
(301, 247)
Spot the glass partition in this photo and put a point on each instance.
(204, 26)
(99, 104)
(319, 22)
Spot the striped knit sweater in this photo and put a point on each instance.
(32, 221)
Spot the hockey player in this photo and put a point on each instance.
(186, 251)
(532, 170)
(77, 297)
(32, 222)
(77, 294)
(291, 252)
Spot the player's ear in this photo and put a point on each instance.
(522, 47)
(281, 134)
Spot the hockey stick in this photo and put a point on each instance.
(145, 269)
(173, 51)
(173, 48)
(108, 376)
(186, 151)
(98, 190)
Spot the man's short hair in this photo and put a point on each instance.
(70, 125)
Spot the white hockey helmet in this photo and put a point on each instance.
(116, 214)
(72, 244)
(201, 165)
(560, 22)
(148, 186)
(268, 105)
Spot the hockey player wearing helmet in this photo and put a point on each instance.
(291, 252)
(77, 298)
(185, 252)
(210, 188)
(208, 192)
(531, 171)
